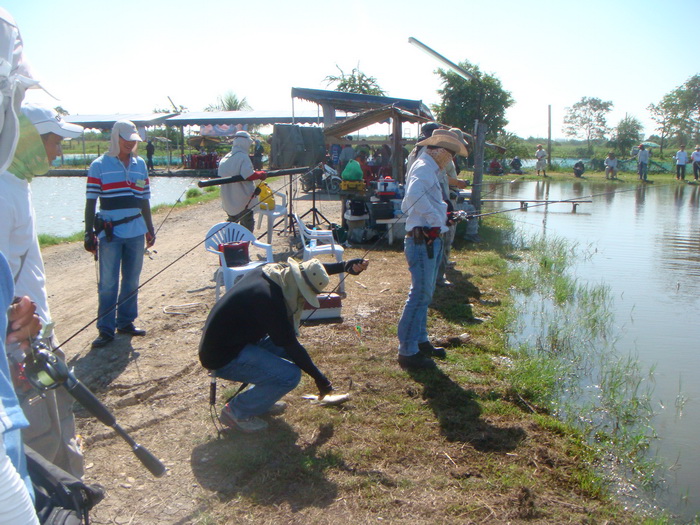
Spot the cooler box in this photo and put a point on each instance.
(382, 210)
(331, 305)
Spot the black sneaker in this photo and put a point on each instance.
(102, 340)
(131, 330)
(427, 349)
(416, 361)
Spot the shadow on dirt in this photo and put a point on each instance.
(271, 468)
(458, 413)
(101, 366)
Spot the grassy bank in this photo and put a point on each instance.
(476, 441)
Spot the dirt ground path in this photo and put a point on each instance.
(154, 385)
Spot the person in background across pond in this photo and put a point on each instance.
(516, 166)
(541, 156)
(695, 159)
(610, 166)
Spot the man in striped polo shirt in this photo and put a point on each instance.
(116, 234)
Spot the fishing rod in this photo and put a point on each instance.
(476, 216)
(238, 178)
(498, 184)
(572, 200)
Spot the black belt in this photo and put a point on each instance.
(108, 226)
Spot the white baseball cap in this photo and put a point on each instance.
(127, 130)
(46, 120)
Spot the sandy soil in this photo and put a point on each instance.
(154, 385)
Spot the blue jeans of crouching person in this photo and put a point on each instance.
(267, 367)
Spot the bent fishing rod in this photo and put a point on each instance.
(467, 216)
(572, 200)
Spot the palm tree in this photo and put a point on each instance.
(229, 101)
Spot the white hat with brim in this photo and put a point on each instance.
(444, 138)
(46, 120)
(311, 278)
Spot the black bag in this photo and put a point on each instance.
(61, 498)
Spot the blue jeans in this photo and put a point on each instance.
(267, 367)
(118, 306)
(413, 325)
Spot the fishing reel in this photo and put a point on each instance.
(453, 217)
(45, 370)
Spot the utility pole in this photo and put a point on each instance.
(549, 137)
(479, 127)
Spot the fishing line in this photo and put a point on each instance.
(116, 305)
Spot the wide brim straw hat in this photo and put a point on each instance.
(449, 140)
(311, 278)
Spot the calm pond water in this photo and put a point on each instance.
(645, 241)
(60, 201)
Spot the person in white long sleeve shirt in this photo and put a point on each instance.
(642, 162)
(426, 219)
(681, 158)
(695, 159)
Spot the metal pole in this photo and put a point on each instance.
(479, 145)
(549, 136)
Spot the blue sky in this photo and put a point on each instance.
(128, 56)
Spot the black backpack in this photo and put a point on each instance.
(61, 498)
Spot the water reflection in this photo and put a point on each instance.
(646, 245)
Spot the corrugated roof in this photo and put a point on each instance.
(107, 121)
(356, 103)
(372, 116)
(245, 117)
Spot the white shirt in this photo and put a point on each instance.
(236, 196)
(423, 204)
(610, 163)
(695, 156)
(19, 244)
(681, 157)
(643, 156)
(540, 154)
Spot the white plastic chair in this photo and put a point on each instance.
(280, 211)
(226, 232)
(320, 242)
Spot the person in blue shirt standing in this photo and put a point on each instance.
(116, 234)
(426, 221)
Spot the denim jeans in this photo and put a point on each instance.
(265, 366)
(115, 256)
(413, 325)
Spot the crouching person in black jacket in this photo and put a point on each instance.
(251, 336)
